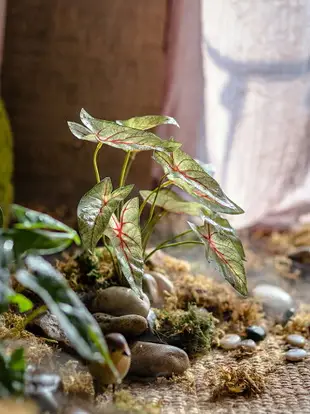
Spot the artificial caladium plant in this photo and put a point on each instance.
(104, 214)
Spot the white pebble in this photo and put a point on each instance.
(295, 354)
(230, 341)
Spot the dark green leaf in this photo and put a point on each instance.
(1, 217)
(125, 236)
(118, 136)
(148, 122)
(36, 241)
(24, 304)
(224, 250)
(172, 202)
(31, 219)
(6, 260)
(75, 320)
(187, 174)
(12, 373)
(96, 208)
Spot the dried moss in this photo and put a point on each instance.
(18, 407)
(299, 323)
(128, 403)
(238, 380)
(190, 329)
(85, 270)
(76, 381)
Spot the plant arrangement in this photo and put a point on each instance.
(110, 217)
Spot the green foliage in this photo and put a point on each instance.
(125, 239)
(1, 218)
(12, 373)
(96, 208)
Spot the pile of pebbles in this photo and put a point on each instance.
(254, 334)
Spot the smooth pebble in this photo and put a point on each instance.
(296, 340)
(127, 325)
(164, 286)
(150, 288)
(255, 332)
(230, 341)
(295, 354)
(118, 301)
(247, 345)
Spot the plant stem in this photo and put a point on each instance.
(146, 233)
(163, 185)
(125, 168)
(99, 145)
(34, 314)
(165, 246)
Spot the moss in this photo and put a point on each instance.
(128, 403)
(299, 323)
(85, 270)
(240, 380)
(77, 382)
(190, 329)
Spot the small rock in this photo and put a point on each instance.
(163, 285)
(295, 354)
(230, 341)
(118, 301)
(150, 288)
(257, 333)
(247, 345)
(127, 325)
(274, 299)
(50, 326)
(155, 360)
(151, 319)
(296, 340)
(288, 315)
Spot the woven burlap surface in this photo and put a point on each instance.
(287, 390)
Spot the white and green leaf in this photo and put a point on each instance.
(96, 208)
(125, 237)
(148, 122)
(187, 174)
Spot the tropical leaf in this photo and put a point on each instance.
(36, 241)
(125, 237)
(31, 219)
(148, 122)
(119, 136)
(96, 208)
(224, 250)
(172, 202)
(24, 304)
(187, 174)
(75, 320)
(208, 168)
(1, 217)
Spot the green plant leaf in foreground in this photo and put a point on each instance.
(172, 202)
(125, 237)
(187, 174)
(1, 218)
(31, 219)
(224, 250)
(96, 208)
(148, 122)
(208, 168)
(12, 373)
(77, 323)
(119, 136)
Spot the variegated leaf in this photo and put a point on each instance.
(125, 237)
(187, 174)
(96, 208)
(148, 122)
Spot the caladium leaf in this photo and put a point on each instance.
(75, 320)
(119, 136)
(125, 237)
(96, 208)
(208, 168)
(172, 202)
(187, 174)
(31, 219)
(148, 122)
(224, 250)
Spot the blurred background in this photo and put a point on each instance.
(235, 74)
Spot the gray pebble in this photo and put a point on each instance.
(150, 288)
(296, 340)
(247, 345)
(274, 300)
(164, 286)
(154, 360)
(118, 301)
(230, 341)
(295, 354)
